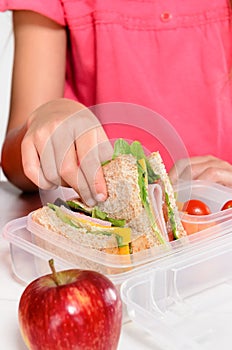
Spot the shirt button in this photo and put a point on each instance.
(166, 16)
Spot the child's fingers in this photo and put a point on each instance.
(87, 148)
(31, 165)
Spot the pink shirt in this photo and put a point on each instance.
(173, 57)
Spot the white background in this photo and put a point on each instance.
(6, 58)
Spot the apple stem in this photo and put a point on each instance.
(55, 275)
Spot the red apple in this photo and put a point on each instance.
(72, 309)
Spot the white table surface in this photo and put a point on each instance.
(132, 337)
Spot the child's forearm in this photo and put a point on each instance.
(11, 160)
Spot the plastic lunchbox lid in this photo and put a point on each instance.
(185, 301)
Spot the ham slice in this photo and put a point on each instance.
(156, 200)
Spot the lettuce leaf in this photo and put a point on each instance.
(122, 147)
(98, 214)
(138, 152)
(142, 182)
(171, 217)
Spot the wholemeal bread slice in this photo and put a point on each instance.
(121, 175)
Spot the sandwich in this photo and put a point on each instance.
(139, 213)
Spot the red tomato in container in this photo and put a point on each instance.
(196, 207)
(227, 205)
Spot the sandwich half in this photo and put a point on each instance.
(139, 213)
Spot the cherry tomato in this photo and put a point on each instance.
(196, 207)
(227, 205)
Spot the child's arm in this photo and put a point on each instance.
(38, 76)
(39, 64)
(43, 142)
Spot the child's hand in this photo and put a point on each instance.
(206, 168)
(65, 144)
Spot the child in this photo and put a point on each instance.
(172, 57)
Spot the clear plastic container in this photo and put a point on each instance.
(212, 194)
(30, 253)
(31, 249)
(185, 301)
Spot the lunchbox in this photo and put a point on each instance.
(31, 249)
(185, 301)
(213, 195)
